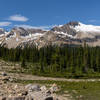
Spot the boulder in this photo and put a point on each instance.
(28, 86)
(4, 74)
(43, 88)
(11, 79)
(16, 86)
(34, 88)
(39, 95)
(24, 93)
(48, 93)
(6, 78)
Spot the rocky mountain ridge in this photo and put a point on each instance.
(72, 33)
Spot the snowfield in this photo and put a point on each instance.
(87, 28)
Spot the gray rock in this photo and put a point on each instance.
(11, 79)
(34, 88)
(24, 93)
(43, 88)
(48, 93)
(5, 78)
(28, 86)
(41, 96)
(4, 74)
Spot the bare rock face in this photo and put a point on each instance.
(33, 31)
(72, 33)
(25, 32)
(20, 35)
(66, 28)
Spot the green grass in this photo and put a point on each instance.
(88, 90)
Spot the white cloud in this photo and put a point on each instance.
(18, 18)
(35, 27)
(5, 24)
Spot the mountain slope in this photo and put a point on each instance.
(73, 33)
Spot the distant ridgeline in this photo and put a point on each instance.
(56, 61)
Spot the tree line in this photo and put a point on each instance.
(54, 60)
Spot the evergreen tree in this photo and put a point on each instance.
(23, 64)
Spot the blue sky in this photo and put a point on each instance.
(47, 13)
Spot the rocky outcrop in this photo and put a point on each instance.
(9, 90)
(66, 28)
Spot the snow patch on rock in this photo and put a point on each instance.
(65, 34)
(86, 28)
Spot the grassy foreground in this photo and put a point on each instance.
(78, 90)
(85, 90)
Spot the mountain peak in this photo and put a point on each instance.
(72, 33)
(73, 23)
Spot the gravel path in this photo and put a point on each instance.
(32, 77)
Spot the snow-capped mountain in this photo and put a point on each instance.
(73, 33)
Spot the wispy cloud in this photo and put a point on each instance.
(94, 21)
(2, 24)
(18, 18)
(35, 27)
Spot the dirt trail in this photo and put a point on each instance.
(32, 77)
